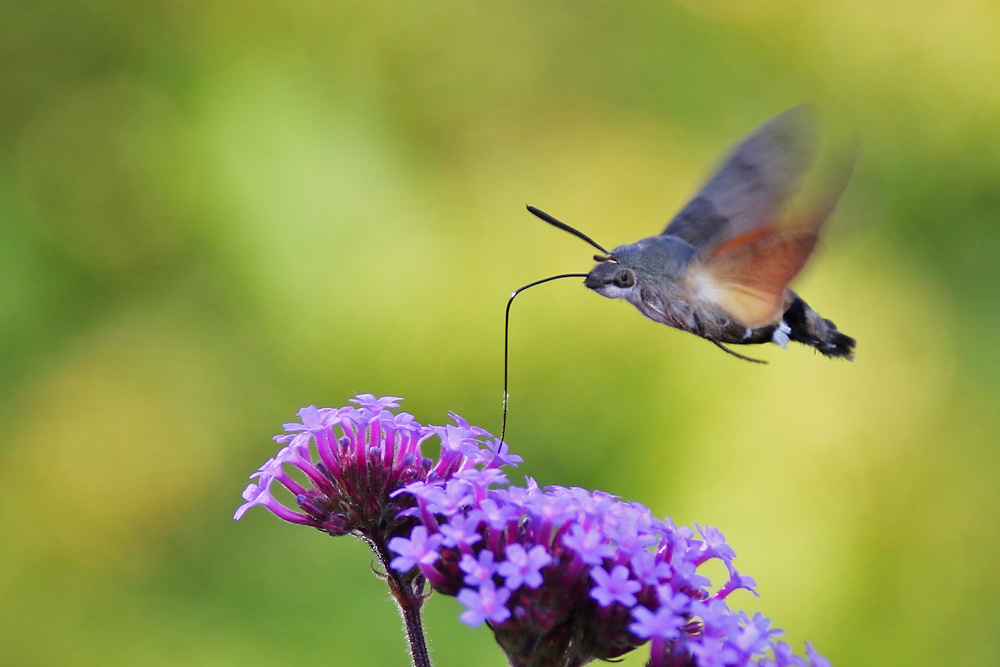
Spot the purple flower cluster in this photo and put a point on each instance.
(564, 576)
(350, 460)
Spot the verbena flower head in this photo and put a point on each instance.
(564, 576)
(351, 460)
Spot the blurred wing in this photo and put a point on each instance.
(753, 184)
(748, 276)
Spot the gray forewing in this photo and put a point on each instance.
(754, 182)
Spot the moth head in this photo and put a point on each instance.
(610, 277)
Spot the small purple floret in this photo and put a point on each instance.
(486, 604)
(590, 544)
(419, 549)
(523, 568)
(614, 586)
(663, 623)
(477, 570)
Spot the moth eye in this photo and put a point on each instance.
(625, 279)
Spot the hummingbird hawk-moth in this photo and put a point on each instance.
(721, 268)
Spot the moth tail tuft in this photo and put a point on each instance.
(809, 328)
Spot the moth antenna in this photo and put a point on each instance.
(566, 228)
(506, 333)
(736, 354)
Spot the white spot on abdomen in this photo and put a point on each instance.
(780, 335)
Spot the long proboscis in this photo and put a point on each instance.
(566, 228)
(506, 334)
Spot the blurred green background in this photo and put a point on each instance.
(214, 213)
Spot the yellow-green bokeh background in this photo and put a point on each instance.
(213, 213)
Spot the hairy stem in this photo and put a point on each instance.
(409, 600)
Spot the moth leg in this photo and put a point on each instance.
(736, 354)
